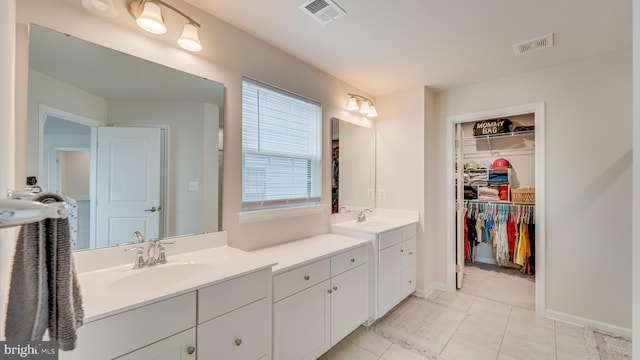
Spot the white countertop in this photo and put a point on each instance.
(222, 263)
(373, 225)
(308, 250)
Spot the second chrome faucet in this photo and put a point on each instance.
(155, 251)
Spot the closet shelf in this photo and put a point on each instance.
(495, 136)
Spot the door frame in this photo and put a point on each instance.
(44, 111)
(538, 109)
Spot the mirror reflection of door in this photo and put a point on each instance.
(127, 177)
(128, 184)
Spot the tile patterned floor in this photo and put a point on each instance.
(491, 330)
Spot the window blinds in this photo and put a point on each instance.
(281, 148)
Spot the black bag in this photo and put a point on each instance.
(492, 127)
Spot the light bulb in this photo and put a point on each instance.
(189, 39)
(353, 104)
(151, 19)
(372, 112)
(101, 7)
(364, 108)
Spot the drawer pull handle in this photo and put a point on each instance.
(401, 250)
(410, 282)
(238, 342)
(335, 288)
(191, 349)
(306, 277)
(353, 260)
(410, 252)
(329, 291)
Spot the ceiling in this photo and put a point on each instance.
(383, 47)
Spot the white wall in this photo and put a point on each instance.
(636, 178)
(45, 90)
(588, 167)
(75, 177)
(7, 138)
(400, 160)
(228, 55)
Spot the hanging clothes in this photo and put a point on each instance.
(508, 227)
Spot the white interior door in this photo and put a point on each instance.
(128, 184)
(459, 205)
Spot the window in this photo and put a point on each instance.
(281, 148)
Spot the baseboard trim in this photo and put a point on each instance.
(425, 293)
(577, 320)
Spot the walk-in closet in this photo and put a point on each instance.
(495, 197)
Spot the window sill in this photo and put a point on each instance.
(265, 215)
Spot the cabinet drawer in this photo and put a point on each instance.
(349, 259)
(119, 334)
(179, 346)
(242, 334)
(295, 280)
(226, 296)
(409, 232)
(390, 238)
(408, 253)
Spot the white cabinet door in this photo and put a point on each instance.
(301, 324)
(349, 301)
(408, 281)
(181, 346)
(242, 334)
(389, 278)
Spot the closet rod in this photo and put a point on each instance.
(499, 202)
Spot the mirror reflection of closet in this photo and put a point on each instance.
(353, 166)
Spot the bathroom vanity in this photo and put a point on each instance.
(393, 256)
(320, 293)
(213, 303)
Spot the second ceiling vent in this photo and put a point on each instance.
(322, 11)
(539, 43)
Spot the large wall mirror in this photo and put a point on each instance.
(353, 153)
(132, 145)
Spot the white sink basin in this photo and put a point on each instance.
(157, 277)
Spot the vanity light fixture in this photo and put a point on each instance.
(363, 104)
(149, 18)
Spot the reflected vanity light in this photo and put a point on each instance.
(150, 19)
(362, 104)
(101, 7)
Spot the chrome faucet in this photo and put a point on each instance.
(155, 253)
(139, 263)
(346, 209)
(362, 215)
(138, 235)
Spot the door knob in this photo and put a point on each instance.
(191, 350)
(153, 209)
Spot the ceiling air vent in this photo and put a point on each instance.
(532, 45)
(322, 11)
